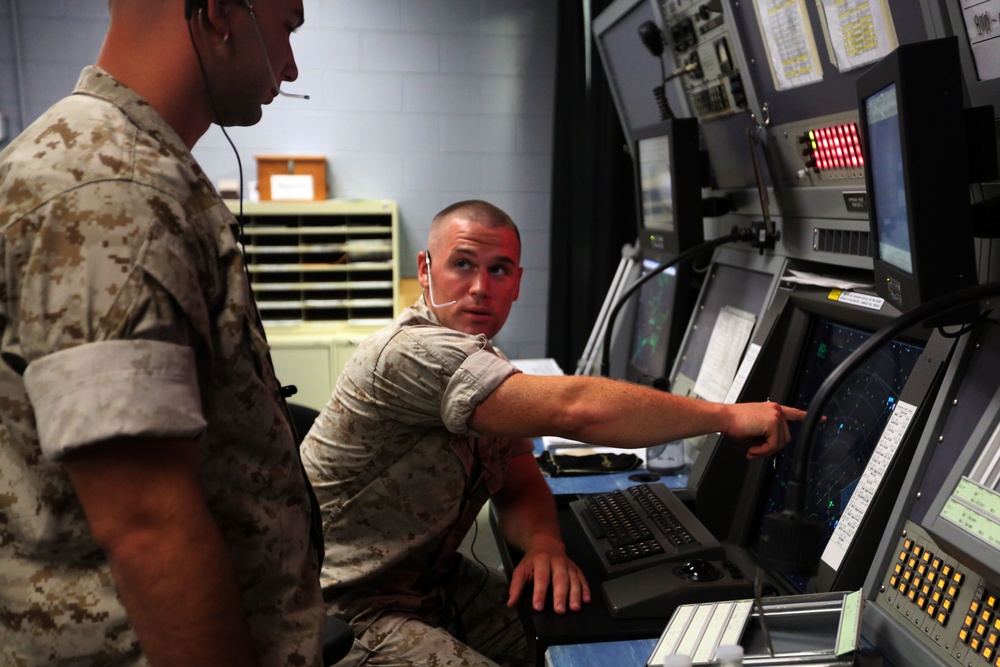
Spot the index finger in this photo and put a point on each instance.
(793, 414)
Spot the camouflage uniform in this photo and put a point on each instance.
(400, 478)
(125, 312)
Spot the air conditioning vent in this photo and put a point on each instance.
(842, 242)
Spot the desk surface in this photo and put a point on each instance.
(621, 654)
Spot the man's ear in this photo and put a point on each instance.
(517, 292)
(210, 17)
(422, 268)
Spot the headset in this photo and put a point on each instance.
(430, 284)
(190, 5)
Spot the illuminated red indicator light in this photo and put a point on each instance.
(836, 147)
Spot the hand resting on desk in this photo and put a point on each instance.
(547, 563)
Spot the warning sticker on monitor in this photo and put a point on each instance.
(857, 299)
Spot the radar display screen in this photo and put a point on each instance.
(856, 415)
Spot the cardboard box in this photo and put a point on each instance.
(291, 177)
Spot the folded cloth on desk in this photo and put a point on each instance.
(564, 465)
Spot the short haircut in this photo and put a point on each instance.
(478, 211)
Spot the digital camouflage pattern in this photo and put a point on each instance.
(125, 311)
(400, 476)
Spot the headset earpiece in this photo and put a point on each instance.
(189, 6)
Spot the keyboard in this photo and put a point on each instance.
(642, 526)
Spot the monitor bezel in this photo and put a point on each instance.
(789, 321)
(933, 145)
(686, 182)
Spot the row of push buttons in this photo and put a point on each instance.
(981, 629)
(926, 581)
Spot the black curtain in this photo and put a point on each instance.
(593, 192)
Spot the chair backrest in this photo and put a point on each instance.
(302, 419)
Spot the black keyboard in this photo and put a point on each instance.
(642, 526)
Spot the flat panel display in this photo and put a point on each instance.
(888, 183)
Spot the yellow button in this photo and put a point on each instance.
(898, 568)
(916, 550)
(937, 563)
(942, 617)
(963, 634)
(958, 580)
(946, 570)
(930, 576)
(953, 591)
(974, 644)
(980, 629)
(926, 557)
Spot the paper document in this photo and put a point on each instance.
(576, 448)
(749, 359)
(858, 32)
(806, 278)
(547, 366)
(791, 46)
(722, 357)
(982, 21)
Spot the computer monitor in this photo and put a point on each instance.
(807, 336)
(668, 179)
(736, 290)
(855, 419)
(917, 176)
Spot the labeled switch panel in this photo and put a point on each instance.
(698, 36)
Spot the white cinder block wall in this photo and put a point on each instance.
(421, 101)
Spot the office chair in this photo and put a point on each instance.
(302, 419)
(337, 634)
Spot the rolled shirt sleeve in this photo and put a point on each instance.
(97, 391)
(475, 379)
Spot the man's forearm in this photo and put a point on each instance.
(525, 506)
(182, 596)
(172, 570)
